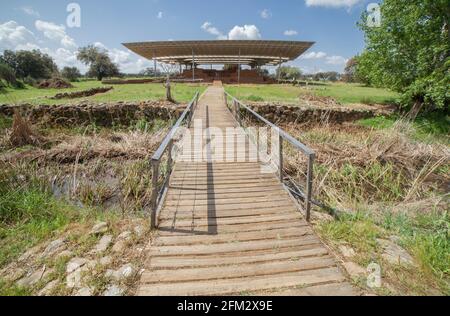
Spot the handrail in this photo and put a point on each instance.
(158, 194)
(292, 186)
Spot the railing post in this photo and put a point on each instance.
(169, 159)
(155, 192)
(309, 184)
(280, 155)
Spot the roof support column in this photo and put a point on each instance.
(279, 70)
(239, 67)
(154, 65)
(193, 65)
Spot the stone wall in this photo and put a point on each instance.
(303, 114)
(103, 114)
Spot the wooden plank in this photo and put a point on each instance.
(177, 262)
(230, 221)
(229, 229)
(271, 206)
(331, 289)
(243, 285)
(198, 215)
(222, 238)
(236, 271)
(233, 247)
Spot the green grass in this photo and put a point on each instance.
(342, 92)
(424, 235)
(132, 92)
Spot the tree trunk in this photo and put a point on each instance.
(415, 110)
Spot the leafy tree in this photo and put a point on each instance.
(288, 73)
(149, 72)
(351, 73)
(7, 74)
(326, 76)
(100, 65)
(71, 73)
(410, 52)
(33, 64)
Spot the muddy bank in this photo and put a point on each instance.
(103, 114)
(314, 113)
(81, 94)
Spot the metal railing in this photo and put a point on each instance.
(239, 110)
(160, 186)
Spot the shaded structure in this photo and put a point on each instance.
(189, 55)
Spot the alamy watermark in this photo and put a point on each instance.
(374, 15)
(74, 18)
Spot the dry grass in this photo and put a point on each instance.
(357, 164)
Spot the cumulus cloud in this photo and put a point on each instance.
(30, 11)
(126, 61)
(290, 32)
(209, 28)
(266, 14)
(246, 32)
(314, 55)
(336, 60)
(332, 3)
(13, 35)
(56, 33)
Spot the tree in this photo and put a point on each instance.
(149, 72)
(288, 73)
(71, 73)
(410, 52)
(32, 64)
(326, 76)
(100, 65)
(7, 74)
(351, 71)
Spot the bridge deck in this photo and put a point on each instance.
(227, 228)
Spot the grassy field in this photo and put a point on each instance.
(342, 92)
(132, 92)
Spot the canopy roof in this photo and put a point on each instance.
(245, 52)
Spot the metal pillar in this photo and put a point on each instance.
(154, 65)
(279, 70)
(193, 65)
(239, 67)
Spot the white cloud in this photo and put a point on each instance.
(30, 11)
(290, 32)
(336, 60)
(246, 32)
(13, 35)
(56, 33)
(126, 61)
(332, 3)
(314, 55)
(266, 14)
(209, 28)
(160, 15)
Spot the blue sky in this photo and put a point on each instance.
(27, 24)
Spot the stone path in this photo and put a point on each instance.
(228, 229)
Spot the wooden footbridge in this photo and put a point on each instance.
(227, 228)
